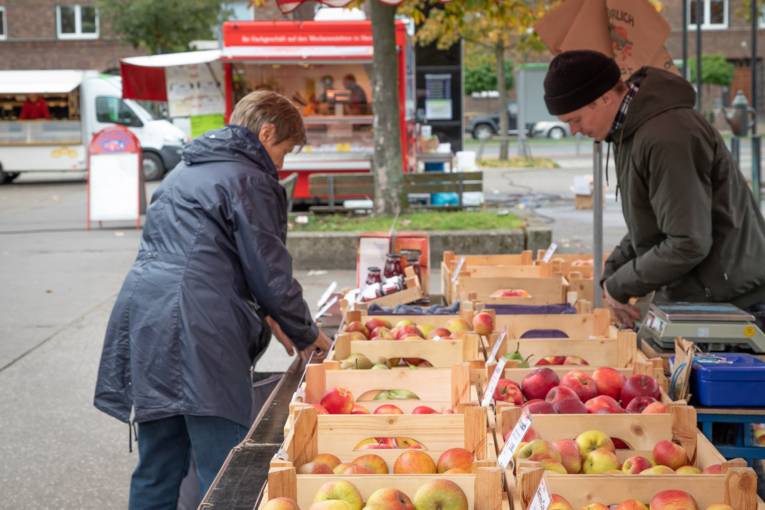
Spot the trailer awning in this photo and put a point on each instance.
(39, 82)
(144, 77)
(297, 53)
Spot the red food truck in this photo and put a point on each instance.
(325, 67)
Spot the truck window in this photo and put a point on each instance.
(110, 109)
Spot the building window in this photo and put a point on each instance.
(77, 22)
(3, 28)
(714, 14)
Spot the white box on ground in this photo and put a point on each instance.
(466, 161)
(582, 185)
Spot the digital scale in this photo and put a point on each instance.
(712, 326)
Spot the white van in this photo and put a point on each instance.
(79, 103)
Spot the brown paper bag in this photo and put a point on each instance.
(554, 26)
(589, 29)
(663, 60)
(637, 33)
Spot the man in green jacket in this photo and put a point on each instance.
(694, 231)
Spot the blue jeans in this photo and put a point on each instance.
(164, 449)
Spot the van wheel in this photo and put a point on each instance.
(8, 177)
(153, 169)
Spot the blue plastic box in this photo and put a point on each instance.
(728, 380)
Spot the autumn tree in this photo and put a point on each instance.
(504, 28)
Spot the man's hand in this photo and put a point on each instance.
(318, 348)
(626, 314)
(281, 336)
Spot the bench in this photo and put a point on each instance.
(333, 187)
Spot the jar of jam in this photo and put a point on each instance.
(393, 266)
(371, 292)
(391, 285)
(374, 275)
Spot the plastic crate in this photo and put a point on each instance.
(728, 380)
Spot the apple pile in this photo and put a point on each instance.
(343, 495)
(671, 499)
(594, 452)
(577, 392)
(340, 401)
(410, 462)
(358, 361)
(381, 329)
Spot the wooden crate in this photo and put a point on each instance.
(439, 353)
(737, 488)
(580, 326)
(542, 291)
(619, 352)
(440, 388)
(450, 261)
(483, 488)
(434, 320)
(563, 263)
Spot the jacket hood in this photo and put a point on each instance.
(234, 144)
(659, 91)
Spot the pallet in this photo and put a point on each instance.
(542, 291)
(439, 353)
(737, 488)
(440, 388)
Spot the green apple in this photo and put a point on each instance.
(440, 495)
(340, 490)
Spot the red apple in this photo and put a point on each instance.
(381, 333)
(407, 331)
(424, 410)
(559, 393)
(631, 504)
(581, 383)
(414, 462)
(603, 404)
(672, 455)
(455, 458)
(530, 435)
(575, 360)
(673, 499)
(638, 404)
(539, 450)
(635, 464)
(558, 502)
(389, 499)
(570, 406)
(508, 391)
(712, 469)
(388, 409)
(639, 385)
(536, 384)
(356, 326)
(328, 459)
(619, 444)
(539, 407)
(609, 381)
(338, 401)
(357, 409)
(315, 468)
(373, 463)
(570, 456)
(655, 408)
(352, 469)
(281, 504)
(442, 333)
(551, 360)
(377, 322)
(483, 323)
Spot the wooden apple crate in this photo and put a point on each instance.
(551, 290)
(450, 261)
(440, 388)
(563, 263)
(581, 326)
(434, 320)
(439, 353)
(412, 292)
(483, 489)
(737, 488)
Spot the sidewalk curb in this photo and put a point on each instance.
(337, 250)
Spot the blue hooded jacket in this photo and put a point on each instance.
(187, 323)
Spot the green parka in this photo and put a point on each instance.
(694, 230)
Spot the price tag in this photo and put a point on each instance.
(516, 437)
(496, 346)
(542, 497)
(487, 397)
(457, 269)
(550, 252)
(324, 297)
(326, 307)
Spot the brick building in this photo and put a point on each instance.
(57, 34)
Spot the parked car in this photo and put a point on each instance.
(483, 127)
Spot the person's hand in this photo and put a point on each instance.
(318, 348)
(626, 314)
(281, 336)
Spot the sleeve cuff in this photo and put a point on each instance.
(308, 338)
(615, 292)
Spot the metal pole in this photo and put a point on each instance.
(597, 222)
(756, 174)
(685, 39)
(699, 18)
(756, 140)
(735, 150)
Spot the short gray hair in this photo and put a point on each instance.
(262, 107)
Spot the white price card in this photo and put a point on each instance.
(493, 382)
(542, 497)
(457, 269)
(324, 297)
(550, 252)
(496, 346)
(326, 307)
(505, 457)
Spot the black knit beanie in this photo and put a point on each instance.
(577, 78)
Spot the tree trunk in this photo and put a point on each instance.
(499, 54)
(387, 165)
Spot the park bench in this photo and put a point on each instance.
(331, 187)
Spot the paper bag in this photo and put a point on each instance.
(637, 33)
(554, 26)
(589, 30)
(663, 60)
